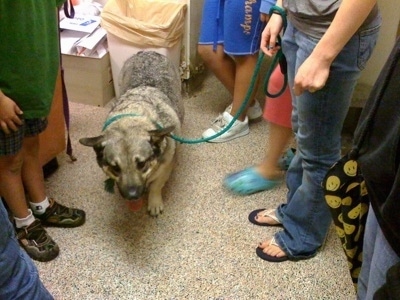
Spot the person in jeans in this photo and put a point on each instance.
(379, 160)
(326, 45)
(29, 65)
(229, 42)
(19, 278)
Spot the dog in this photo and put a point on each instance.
(135, 149)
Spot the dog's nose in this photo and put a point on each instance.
(134, 192)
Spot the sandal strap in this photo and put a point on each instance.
(271, 214)
(273, 242)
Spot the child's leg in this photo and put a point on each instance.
(222, 65)
(11, 186)
(211, 41)
(277, 112)
(267, 174)
(245, 66)
(278, 140)
(32, 172)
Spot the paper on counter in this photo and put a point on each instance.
(82, 23)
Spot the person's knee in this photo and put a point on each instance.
(210, 56)
(12, 163)
(204, 51)
(249, 60)
(30, 148)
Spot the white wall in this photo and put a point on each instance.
(390, 10)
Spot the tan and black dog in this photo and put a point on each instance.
(135, 148)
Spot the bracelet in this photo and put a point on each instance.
(279, 11)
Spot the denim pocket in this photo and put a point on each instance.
(367, 42)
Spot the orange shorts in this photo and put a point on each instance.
(278, 110)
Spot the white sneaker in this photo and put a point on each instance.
(254, 113)
(238, 129)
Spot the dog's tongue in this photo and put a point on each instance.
(135, 205)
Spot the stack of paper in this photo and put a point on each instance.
(83, 36)
(81, 23)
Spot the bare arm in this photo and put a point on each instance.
(314, 72)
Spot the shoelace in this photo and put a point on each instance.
(219, 123)
(58, 209)
(35, 234)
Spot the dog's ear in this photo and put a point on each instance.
(156, 138)
(92, 141)
(98, 145)
(160, 133)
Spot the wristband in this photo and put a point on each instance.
(279, 11)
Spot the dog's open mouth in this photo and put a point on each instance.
(134, 205)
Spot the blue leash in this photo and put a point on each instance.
(235, 117)
(278, 59)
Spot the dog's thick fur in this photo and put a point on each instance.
(135, 149)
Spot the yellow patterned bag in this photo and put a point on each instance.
(347, 198)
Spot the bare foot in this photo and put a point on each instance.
(271, 248)
(267, 217)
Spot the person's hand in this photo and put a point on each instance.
(312, 75)
(9, 114)
(269, 37)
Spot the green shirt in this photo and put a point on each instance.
(29, 53)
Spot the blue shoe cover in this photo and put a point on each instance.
(286, 159)
(248, 181)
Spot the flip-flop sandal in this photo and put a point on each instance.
(267, 213)
(260, 253)
(248, 181)
(286, 159)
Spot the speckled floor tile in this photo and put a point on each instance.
(201, 247)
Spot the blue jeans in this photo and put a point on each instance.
(19, 278)
(378, 257)
(317, 121)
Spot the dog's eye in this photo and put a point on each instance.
(140, 164)
(116, 170)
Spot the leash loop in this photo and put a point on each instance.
(279, 57)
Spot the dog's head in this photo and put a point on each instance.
(129, 158)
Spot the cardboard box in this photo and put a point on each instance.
(88, 79)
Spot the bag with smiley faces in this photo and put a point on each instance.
(375, 152)
(347, 198)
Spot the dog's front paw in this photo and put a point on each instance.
(155, 207)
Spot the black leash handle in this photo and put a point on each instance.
(279, 57)
(69, 9)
